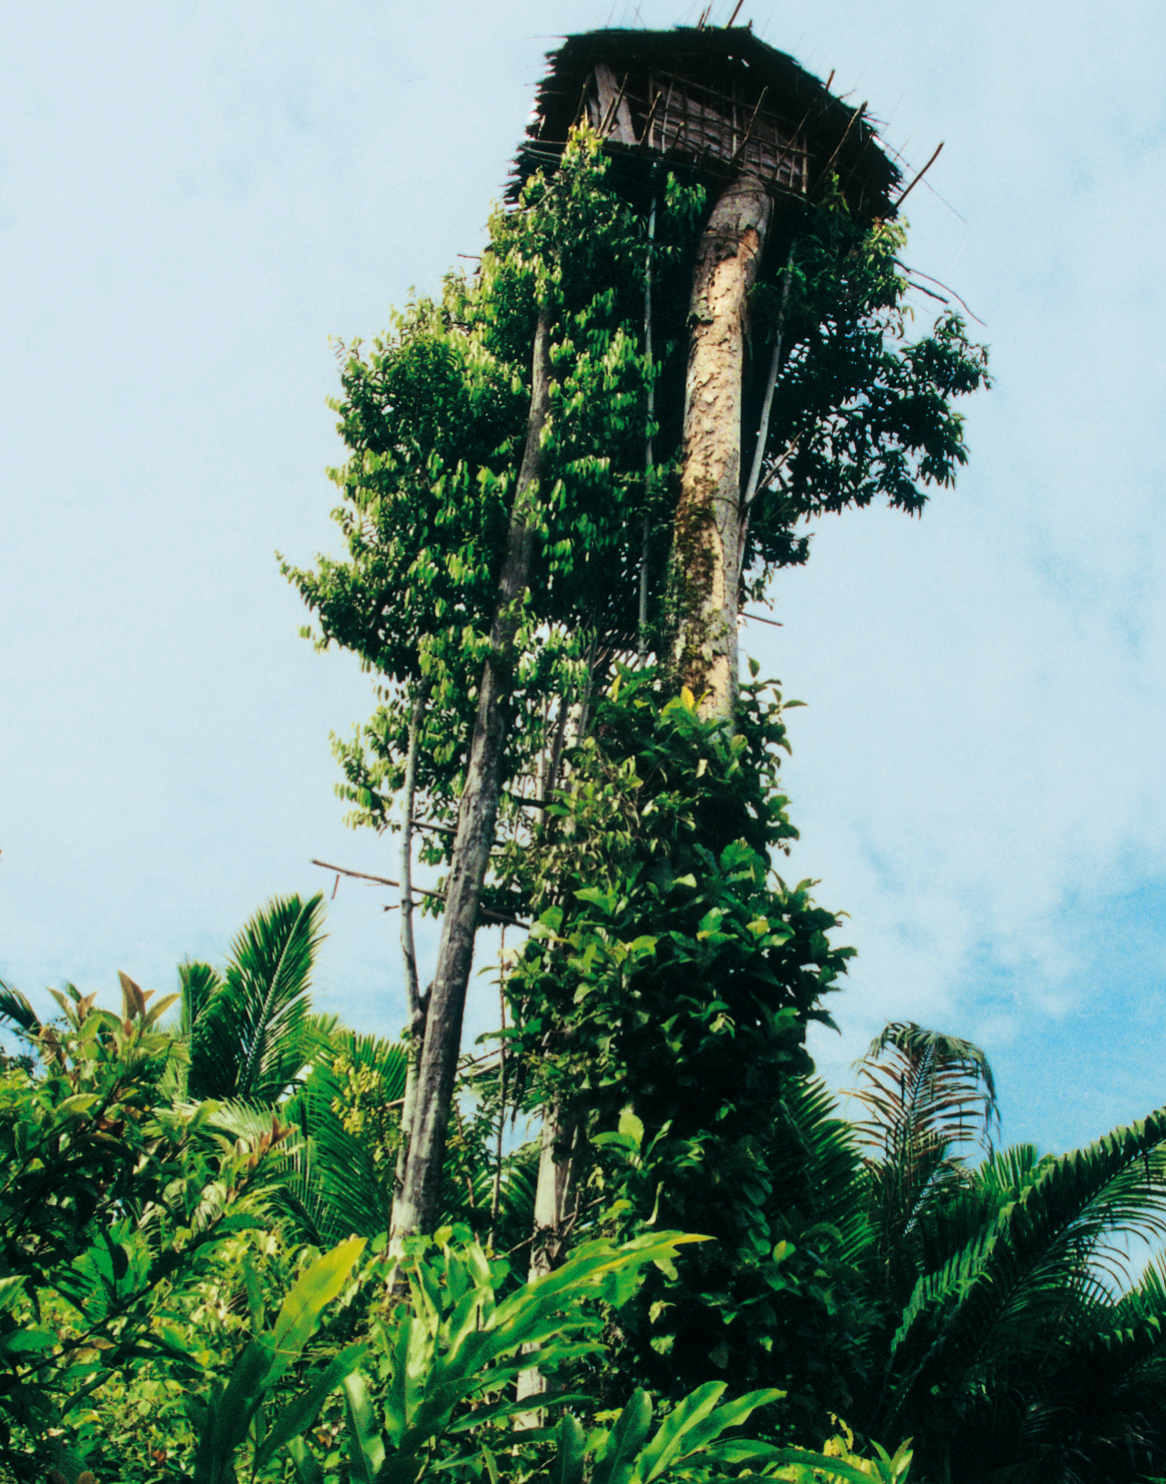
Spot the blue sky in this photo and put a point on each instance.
(195, 196)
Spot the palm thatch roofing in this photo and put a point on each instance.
(715, 101)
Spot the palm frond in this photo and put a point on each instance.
(16, 1008)
(197, 985)
(340, 1181)
(334, 1179)
(964, 1208)
(389, 1060)
(818, 1166)
(1006, 1172)
(1051, 1254)
(253, 1035)
(923, 1088)
(926, 1096)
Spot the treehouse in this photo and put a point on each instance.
(715, 102)
(769, 144)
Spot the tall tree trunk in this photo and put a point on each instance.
(416, 1206)
(705, 574)
(554, 1201)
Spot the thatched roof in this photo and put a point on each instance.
(717, 101)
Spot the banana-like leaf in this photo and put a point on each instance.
(302, 1411)
(313, 1291)
(232, 1410)
(229, 1415)
(458, 1343)
(366, 1449)
(308, 1471)
(570, 1455)
(617, 1460)
(693, 1434)
(800, 1463)
(668, 1442)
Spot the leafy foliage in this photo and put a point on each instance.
(250, 1030)
(662, 1000)
(861, 411)
(241, 1406)
(1013, 1341)
(347, 1116)
(435, 419)
(109, 1196)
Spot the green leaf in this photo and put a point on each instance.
(11, 1289)
(668, 1444)
(618, 1456)
(366, 1449)
(567, 1467)
(313, 1292)
(302, 1411)
(308, 1471)
(26, 1341)
(749, 1451)
(229, 1414)
(699, 1435)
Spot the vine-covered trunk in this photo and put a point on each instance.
(415, 1208)
(705, 574)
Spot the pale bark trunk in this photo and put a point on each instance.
(416, 1208)
(553, 1217)
(705, 575)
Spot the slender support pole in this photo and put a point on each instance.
(417, 1206)
(413, 998)
(496, 1190)
(649, 454)
(750, 492)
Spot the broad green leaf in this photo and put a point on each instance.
(772, 1457)
(465, 1321)
(301, 1412)
(73, 1107)
(26, 1341)
(308, 1471)
(229, 1415)
(311, 1294)
(11, 1290)
(618, 1456)
(668, 1444)
(366, 1449)
(700, 1435)
(569, 1458)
